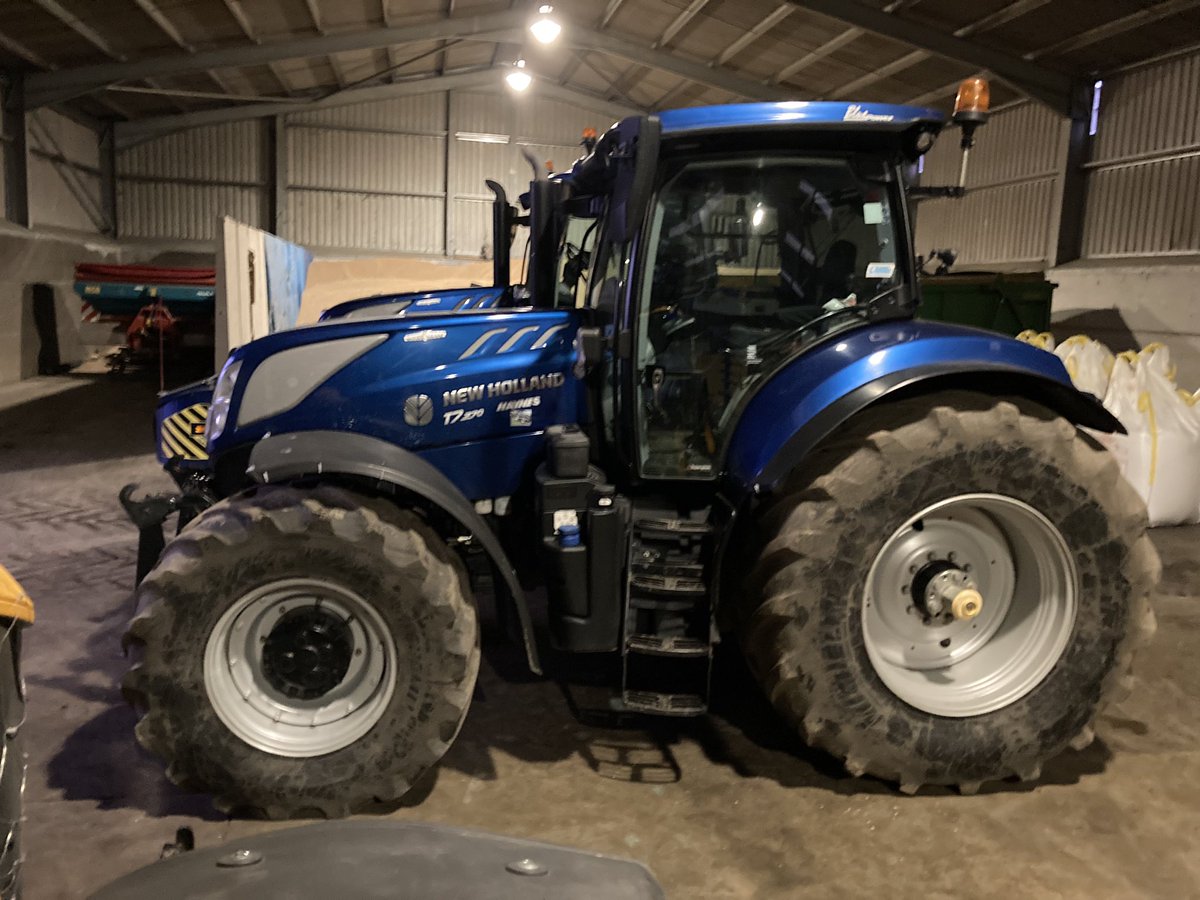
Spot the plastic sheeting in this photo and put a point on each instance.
(1160, 455)
(287, 272)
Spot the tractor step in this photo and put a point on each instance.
(659, 645)
(665, 528)
(669, 584)
(667, 645)
(664, 704)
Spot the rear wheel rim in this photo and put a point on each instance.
(300, 667)
(968, 667)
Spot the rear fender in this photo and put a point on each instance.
(803, 403)
(287, 457)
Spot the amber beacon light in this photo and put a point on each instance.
(971, 104)
(970, 111)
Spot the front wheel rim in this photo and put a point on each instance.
(969, 667)
(300, 667)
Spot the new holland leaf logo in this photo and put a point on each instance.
(418, 410)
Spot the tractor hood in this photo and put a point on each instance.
(466, 384)
(471, 299)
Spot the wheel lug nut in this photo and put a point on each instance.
(952, 556)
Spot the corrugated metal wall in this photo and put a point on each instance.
(177, 186)
(372, 177)
(489, 134)
(1144, 183)
(64, 174)
(1010, 214)
(369, 177)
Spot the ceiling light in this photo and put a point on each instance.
(759, 214)
(544, 28)
(518, 79)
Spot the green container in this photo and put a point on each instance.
(1009, 303)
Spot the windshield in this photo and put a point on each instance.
(747, 257)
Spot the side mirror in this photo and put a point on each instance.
(592, 344)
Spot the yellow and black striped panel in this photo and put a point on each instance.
(183, 434)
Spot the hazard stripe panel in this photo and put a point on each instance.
(183, 433)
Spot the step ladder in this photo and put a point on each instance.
(667, 640)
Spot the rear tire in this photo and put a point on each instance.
(853, 688)
(303, 652)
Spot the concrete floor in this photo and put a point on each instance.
(727, 806)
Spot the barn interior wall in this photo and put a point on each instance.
(404, 178)
(1140, 273)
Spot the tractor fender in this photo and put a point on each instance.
(827, 386)
(286, 457)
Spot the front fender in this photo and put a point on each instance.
(287, 457)
(807, 400)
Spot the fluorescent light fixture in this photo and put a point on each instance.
(544, 28)
(759, 214)
(518, 79)
(479, 137)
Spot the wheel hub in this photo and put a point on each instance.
(307, 654)
(941, 592)
(969, 604)
(300, 667)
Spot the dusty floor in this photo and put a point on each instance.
(729, 806)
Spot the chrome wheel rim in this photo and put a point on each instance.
(300, 667)
(959, 667)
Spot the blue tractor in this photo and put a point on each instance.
(708, 413)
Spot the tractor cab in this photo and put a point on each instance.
(705, 249)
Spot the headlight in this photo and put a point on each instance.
(218, 412)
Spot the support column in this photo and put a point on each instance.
(277, 175)
(1073, 200)
(448, 200)
(16, 154)
(108, 180)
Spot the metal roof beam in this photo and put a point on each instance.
(606, 78)
(846, 37)
(837, 43)
(938, 93)
(82, 29)
(19, 50)
(203, 95)
(548, 88)
(1006, 14)
(610, 11)
(887, 71)
(1117, 27)
(51, 86)
(999, 17)
(160, 19)
(702, 73)
(747, 38)
(680, 21)
(134, 132)
(130, 133)
(1051, 87)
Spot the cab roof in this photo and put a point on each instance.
(789, 113)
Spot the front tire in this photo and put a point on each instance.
(851, 641)
(303, 652)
